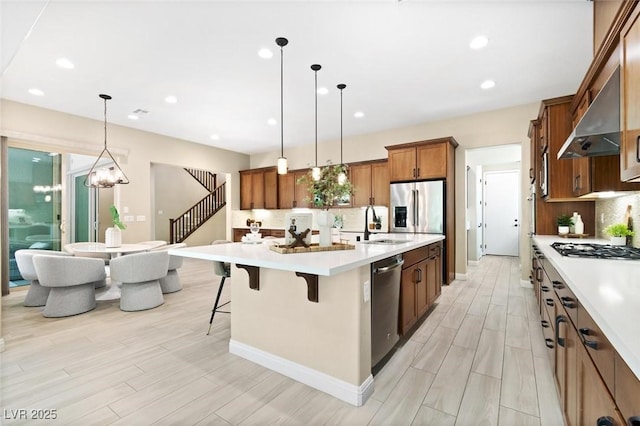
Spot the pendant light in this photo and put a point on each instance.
(109, 175)
(315, 171)
(282, 160)
(342, 176)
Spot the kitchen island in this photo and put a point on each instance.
(306, 315)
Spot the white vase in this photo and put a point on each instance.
(113, 237)
(618, 241)
(562, 230)
(325, 223)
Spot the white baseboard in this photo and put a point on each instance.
(526, 284)
(353, 394)
(473, 262)
(461, 277)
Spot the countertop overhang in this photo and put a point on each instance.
(326, 263)
(608, 289)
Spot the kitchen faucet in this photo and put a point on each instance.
(366, 221)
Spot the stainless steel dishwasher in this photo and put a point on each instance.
(385, 303)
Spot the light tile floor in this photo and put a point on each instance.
(478, 359)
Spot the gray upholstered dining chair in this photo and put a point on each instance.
(171, 283)
(71, 281)
(36, 295)
(140, 275)
(223, 270)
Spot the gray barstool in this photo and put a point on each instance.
(223, 270)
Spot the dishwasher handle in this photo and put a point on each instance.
(385, 269)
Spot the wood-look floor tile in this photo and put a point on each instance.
(536, 337)
(455, 316)
(428, 326)
(388, 377)
(101, 417)
(516, 306)
(489, 355)
(509, 417)
(519, 381)
(481, 401)
(518, 332)
(427, 416)
(480, 304)
(449, 384)
(403, 404)
(434, 351)
(496, 318)
(550, 412)
(469, 332)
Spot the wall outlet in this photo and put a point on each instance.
(367, 291)
(141, 218)
(128, 218)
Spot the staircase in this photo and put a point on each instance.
(189, 222)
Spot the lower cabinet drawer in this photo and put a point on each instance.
(627, 392)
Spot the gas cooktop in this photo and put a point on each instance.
(597, 251)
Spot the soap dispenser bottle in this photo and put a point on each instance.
(579, 226)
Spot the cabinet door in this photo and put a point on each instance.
(257, 190)
(238, 234)
(422, 293)
(361, 181)
(627, 394)
(286, 191)
(567, 344)
(432, 280)
(581, 176)
(245, 190)
(302, 195)
(534, 129)
(402, 164)
(594, 401)
(630, 98)
(408, 314)
(270, 186)
(380, 190)
(543, 135)
(432, 161)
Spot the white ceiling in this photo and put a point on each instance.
(404, 63)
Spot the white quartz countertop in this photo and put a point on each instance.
(325, 263)
(608, 289)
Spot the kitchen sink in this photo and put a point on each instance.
(385, 241)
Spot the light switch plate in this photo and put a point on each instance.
(140, 218)
(128, 218)
(367, 291)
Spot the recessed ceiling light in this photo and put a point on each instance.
(479, 42)
(265, 53)
(215, 137)
(358, 114)
(488, 84)
(322, 90)
(36, 92)
(171, 99)
(132, 117)
(272, 122)
(65, 63)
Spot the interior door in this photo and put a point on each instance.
(501, 212)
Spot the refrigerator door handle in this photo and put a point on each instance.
(416, 198)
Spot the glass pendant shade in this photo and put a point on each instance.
(101, 174)
(282, 166)
(316, 173)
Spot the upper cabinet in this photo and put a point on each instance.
(370, 182)
(630, 98)
(291, 194)
(534, 160)
(258, 189)
(420, 160)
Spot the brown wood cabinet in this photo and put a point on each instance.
(258, 189)
(630, 98)
(419, 160)
(534, 160)
(238, 233)
(420, 284)
(597, 174)
(291, 194)
(370, 182)
(594, 384)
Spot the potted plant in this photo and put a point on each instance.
(113, 235)
(325, 193)
(564, 222)
(618, 233)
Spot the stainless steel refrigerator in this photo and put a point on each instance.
(418, 207)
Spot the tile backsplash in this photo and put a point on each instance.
(353, 218)
(612, 210)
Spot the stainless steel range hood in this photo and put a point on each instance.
(598, 132)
